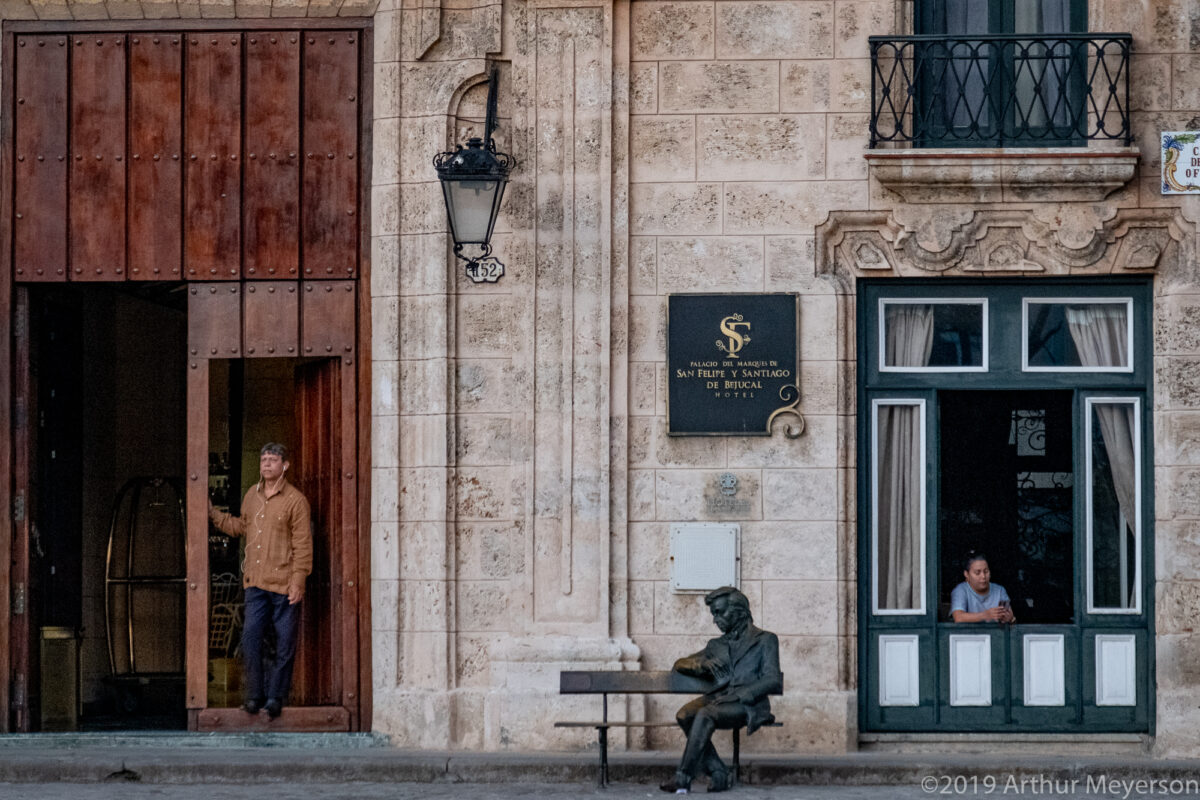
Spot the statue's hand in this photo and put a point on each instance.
(727, 696)
(720, 671)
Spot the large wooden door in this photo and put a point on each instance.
(255, 176)
(253, 172)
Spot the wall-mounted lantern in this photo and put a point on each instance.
(473, 180)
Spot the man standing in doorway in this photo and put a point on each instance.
(276, 523)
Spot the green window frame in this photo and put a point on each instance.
(1110, 624)
(1129, 557)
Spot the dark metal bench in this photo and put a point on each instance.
(608, 682)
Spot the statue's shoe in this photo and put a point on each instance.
(720, 781)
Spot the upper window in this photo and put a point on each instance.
(1000, 73)
(933, 335)
(984, 17)
(1048, 331)
(1004, 72)
(1077, 335)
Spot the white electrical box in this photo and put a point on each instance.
(705, 556)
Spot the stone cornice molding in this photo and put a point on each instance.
(1052, 239)
(995, 175)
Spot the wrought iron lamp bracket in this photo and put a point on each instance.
(478, 160)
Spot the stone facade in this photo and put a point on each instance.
(527, 485)
(523, 482)
(673, 146)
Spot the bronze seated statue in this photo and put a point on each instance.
(743, 664)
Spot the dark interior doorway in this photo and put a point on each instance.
(114, 467)
(1007, 489)
(252, 402)
(107, 554)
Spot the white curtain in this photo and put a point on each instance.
(907, 334)
(963, 19)
(899, 509)
(1101, 336)
(1040, 87)
(908, 338)
(1100, 333)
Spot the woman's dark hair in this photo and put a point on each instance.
(971, 557)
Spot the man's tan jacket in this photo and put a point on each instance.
(278, 533)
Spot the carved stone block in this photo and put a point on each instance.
(747, 30)
(672, 31)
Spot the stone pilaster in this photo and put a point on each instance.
(511, 395)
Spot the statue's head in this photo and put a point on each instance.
(730, 608)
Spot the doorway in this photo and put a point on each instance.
(258, 383)
(105, 435)
(252, 402)
(129, 614)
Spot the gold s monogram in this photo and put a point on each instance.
(737, 341)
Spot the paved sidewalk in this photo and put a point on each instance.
(221, 766)
(424, 791)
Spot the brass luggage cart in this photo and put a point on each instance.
(145, 583)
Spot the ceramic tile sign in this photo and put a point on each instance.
(1181, 162)
(732, 362)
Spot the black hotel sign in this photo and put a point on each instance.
(732, 363)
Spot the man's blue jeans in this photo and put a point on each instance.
(269, 609)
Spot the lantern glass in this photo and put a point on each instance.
(472, 205)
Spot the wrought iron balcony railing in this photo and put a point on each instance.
(1010, 90)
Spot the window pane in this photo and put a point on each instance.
(1041, 16)
(899, 507)
(1042, 65)
(1001, 91)
(1113, 506)
(966, 16)
(1092, 335)
(933, 335)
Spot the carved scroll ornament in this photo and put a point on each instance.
(1052, 239)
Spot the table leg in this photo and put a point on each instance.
(603, 729)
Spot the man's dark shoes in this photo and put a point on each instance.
(274, 708)
(252, 706)
(674, 788)
(720, 781)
